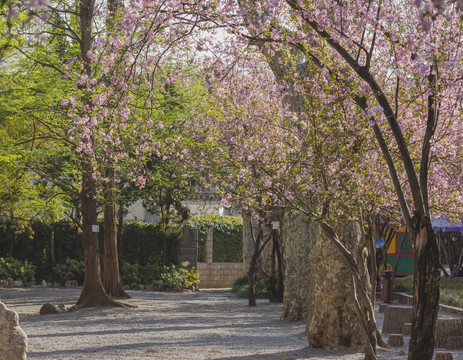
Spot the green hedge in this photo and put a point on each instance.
(141, 243)
(228, 236)
(145, 244)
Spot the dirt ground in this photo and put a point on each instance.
(164, 325)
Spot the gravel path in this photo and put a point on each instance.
(201, 325)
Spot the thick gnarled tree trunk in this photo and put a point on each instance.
(332, 320)
(341, 313)
(296, 242)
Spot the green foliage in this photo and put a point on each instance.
(451, 297)
(71, 270)
(17, 270)
(451, 289)
(130, 274)
(174, 277)
(149, 273)
(32, 243)
(142, 244)
(224, 224)
(180, 277)
(202, 236)
(404, 284)
(133, 275)
(241, 288)
(228, 236)
(145, 243)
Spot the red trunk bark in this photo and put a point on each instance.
(93, 292)
(111, 279)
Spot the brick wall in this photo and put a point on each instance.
(219, 275)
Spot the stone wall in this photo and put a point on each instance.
(217, 275)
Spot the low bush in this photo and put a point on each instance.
(403, 284)
(71, 270)
(17, 270)
(180, 277)
(130, 274)
(149, 273)
(241, 288)
(175, 277)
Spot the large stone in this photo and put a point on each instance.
(296, 242)
(18, 284)
(48, 309)
(332, 322)
(71, 284)
(13, 340)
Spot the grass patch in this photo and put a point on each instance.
(451, 289)
(404, 284)
(241, 288)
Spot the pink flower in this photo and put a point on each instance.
(141, 181)
(13, 13)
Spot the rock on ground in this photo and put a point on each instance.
(13, 340)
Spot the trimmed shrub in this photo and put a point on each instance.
(145, 244)
(228, 236)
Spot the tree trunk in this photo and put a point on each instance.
(399, 252)
(120, 248)
(52, 247)
(280, 287)
(296, 239)
(272, 280)
(252, 268)
(425, 291)
(93, 292)
(111, 279)
(342, 315)
(251, 291)
(333, 322)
